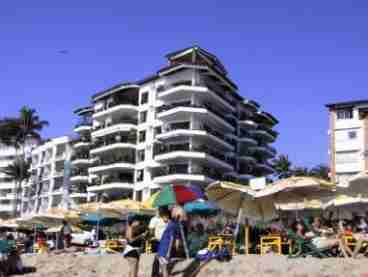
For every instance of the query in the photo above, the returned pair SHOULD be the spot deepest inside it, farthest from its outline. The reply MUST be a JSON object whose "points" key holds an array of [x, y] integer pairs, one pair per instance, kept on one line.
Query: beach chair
{"points": [[303, 247], [270, 243]]}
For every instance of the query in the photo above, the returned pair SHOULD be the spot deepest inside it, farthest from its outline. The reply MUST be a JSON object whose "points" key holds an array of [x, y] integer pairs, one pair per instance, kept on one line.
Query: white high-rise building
{"points": [[186, 124], [46, 187], [348, 135]]}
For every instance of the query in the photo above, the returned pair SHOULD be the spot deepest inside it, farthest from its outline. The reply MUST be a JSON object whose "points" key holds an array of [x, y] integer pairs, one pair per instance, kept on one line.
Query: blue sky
{"points": [[291, 56]]}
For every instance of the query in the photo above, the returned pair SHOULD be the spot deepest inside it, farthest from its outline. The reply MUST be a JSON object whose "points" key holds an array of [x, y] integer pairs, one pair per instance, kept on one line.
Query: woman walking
{"points": [[135, 234]]}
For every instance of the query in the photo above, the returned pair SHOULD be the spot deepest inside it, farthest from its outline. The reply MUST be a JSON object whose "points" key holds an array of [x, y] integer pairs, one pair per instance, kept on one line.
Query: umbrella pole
{"points": [[184, 240], [246, 238]]}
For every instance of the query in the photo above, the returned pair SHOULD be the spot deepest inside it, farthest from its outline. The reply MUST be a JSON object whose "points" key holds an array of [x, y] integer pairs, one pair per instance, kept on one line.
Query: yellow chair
{"points": [[350, 242], [113, 246], [219, 242], [270, 242], [148, 247]]}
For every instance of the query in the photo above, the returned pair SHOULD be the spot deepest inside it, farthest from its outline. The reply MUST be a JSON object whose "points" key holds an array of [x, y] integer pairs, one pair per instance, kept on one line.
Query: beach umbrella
{"points": [[201, 207], [149, 202], [99, 220], [127, 206], [55, 217], [297, 189], [358, 184], [175, 194], [57, 229], [103, 209], [305, 204], [241, 199]]}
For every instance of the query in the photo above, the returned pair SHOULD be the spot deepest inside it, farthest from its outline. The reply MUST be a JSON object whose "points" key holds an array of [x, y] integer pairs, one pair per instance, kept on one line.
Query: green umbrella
{"points": [[165, 198]]}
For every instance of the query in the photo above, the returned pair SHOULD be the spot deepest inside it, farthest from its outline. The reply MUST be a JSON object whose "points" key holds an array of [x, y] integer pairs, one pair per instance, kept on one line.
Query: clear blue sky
{"points": [[290, 58]]}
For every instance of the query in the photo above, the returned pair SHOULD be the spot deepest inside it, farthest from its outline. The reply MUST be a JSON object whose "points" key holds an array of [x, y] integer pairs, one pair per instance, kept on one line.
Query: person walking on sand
{"points": [[66, 234], [135, 234]]}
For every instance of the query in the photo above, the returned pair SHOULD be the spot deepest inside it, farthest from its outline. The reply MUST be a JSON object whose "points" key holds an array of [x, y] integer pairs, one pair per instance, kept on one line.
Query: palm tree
{"points": [[282, 166], [17, 131], [321, 171], [18, 171]]}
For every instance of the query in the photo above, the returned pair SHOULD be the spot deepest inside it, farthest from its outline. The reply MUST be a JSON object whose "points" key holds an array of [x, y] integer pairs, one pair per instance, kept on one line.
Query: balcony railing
{"points": [[207, 106], [202, 149], [85, 156], [79, 173], [184, 169], [127, 159], [117, 103], [84, 122], [107, 142], [268, 130], [118, 122]]}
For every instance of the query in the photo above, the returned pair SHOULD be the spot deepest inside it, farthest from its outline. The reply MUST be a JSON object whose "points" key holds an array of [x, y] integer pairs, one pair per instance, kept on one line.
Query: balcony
{"points": [[84, 125], [113, 144], [79, 176], [115, 164], [246, 156], [186, 108], [76, 195], [81, 160], [262, 135], [263, 168], [183, 130], [6, 208], [246, 122], [113, 184], [122, 125], [185, 151], [265, 151], [82, 142], [186, 89], [180, 174], [116, 109]]}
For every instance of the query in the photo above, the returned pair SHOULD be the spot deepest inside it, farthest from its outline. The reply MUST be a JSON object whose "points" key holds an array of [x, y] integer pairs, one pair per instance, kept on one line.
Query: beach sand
{"points": [[65, 265]]}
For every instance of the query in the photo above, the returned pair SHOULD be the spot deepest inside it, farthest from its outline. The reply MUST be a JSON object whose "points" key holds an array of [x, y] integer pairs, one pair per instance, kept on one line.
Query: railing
{"points": [[184, 169], [107, 142], [111, 180], [202, 149], [82, 139], [101, 162], [84, 122], [202, 106], [118, 122], [273, 133], [117, 103], [79, 173], [80, 157]]}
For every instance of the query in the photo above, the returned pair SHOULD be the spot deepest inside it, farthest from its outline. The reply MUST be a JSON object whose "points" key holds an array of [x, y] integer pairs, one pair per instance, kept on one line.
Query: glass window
{"points": [[158, 130], [142, 136], [352, 134], [140, 175], [345, 114], [143, 117], [141, 155], [144, 98]]}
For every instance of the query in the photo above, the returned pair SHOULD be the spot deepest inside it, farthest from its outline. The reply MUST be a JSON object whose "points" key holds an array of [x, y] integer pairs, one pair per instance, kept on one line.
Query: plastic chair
{"points": [[270, 242]]}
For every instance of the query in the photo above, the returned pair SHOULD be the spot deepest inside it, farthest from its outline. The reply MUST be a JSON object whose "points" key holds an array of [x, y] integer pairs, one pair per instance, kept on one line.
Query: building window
{"points": [[138, 195], [142, 136], [143, 117], [345, 114], [141, 155], [352, 135], [347, 157], [158, 130], [144, 98], [140, 175]]}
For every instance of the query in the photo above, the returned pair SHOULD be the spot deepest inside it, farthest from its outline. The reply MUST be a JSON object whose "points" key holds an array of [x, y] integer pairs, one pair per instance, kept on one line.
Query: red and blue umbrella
{"points": [[177, 195]]}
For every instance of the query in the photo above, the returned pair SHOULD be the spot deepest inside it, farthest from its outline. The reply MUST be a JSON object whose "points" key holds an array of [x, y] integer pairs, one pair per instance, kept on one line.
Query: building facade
{"points": [[46, 186], [348, 137], [7, 185], [185, 124]]}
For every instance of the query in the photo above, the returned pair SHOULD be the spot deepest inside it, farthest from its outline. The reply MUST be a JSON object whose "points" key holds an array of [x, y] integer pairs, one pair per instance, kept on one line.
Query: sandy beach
{"points": [[65, 265]]}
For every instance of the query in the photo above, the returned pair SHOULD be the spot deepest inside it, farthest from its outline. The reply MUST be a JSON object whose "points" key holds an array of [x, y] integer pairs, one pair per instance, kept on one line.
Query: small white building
{"points": [[348, 136]]}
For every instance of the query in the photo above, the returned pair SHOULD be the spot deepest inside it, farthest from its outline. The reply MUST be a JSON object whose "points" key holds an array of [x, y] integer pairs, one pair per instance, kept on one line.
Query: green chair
{"points": [[6, 246], [302, 247]]}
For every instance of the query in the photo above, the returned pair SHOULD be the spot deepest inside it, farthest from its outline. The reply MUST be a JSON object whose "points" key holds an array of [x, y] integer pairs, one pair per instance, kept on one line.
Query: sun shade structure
{"points": [[296, 189], [102, 209], [235, 197], [201, 207], [131, 206]]}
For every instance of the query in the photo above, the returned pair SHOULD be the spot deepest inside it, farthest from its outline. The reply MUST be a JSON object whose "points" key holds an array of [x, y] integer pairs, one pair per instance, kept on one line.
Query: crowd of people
{"points": [[173, 235]]}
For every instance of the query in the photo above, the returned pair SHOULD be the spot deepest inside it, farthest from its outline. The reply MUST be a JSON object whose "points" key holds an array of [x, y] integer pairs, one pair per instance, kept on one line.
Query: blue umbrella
{"points": [[96, 219], [201, 207]]}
